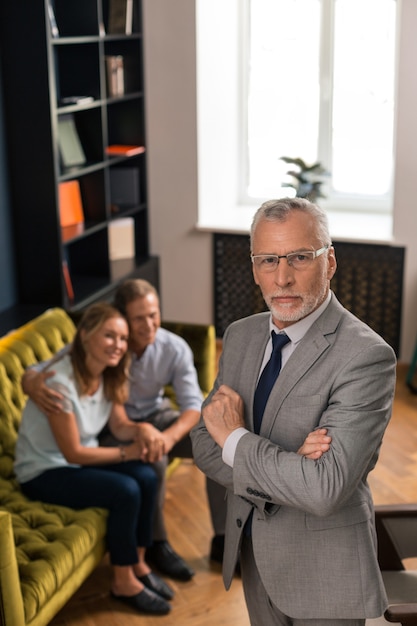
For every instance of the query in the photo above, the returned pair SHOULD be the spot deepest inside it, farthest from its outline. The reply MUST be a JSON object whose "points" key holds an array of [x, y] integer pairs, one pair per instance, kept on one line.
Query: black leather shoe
{"points": [[161, 556], [217, 548], [157, 585], [146, 601]]}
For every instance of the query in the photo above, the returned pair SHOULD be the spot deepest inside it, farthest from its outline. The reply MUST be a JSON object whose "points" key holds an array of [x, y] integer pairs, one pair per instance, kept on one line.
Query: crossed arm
{"points": [[224, 415], [221, 417]]}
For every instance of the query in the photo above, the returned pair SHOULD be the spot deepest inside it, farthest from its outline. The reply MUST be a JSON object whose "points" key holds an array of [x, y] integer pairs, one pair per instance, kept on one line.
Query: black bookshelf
{"points": [[44, 70]]}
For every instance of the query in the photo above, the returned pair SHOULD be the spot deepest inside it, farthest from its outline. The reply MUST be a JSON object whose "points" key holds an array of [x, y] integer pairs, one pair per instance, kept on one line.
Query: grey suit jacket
{"points": [[313, 526]]}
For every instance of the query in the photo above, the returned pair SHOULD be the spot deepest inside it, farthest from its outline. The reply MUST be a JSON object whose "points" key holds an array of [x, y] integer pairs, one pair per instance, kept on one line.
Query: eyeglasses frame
{"points": [[316, 253]]}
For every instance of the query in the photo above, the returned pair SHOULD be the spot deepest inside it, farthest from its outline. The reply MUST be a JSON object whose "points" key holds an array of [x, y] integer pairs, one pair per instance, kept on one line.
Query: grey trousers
{"points": [[216, 494], [262, 612]]}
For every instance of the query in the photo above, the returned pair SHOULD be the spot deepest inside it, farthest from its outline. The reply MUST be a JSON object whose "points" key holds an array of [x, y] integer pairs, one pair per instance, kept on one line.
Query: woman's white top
{"points": [[36, 448]]}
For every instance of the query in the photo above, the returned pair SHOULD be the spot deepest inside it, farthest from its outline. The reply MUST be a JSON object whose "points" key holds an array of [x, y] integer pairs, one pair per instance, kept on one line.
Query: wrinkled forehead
{"points": [[297, 232]]}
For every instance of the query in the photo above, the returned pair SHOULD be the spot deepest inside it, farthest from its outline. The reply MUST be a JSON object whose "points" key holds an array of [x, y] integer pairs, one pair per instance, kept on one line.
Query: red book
{"points": [[124, 150]]}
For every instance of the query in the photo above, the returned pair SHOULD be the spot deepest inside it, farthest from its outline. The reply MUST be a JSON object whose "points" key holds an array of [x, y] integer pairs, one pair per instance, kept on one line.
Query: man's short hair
{"points": [[131, 290]]}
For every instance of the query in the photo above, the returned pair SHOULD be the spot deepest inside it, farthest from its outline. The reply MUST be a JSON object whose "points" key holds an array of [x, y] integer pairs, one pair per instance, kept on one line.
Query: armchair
{"points": [[396, 527]]}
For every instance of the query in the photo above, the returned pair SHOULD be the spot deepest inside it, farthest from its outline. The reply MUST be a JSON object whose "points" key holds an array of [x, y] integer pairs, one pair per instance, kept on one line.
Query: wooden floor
{"points": [[203, 601]]}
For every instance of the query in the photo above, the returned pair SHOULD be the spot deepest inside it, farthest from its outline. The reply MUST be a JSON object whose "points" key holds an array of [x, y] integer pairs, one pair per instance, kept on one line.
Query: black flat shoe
{"points": [[157, 585], [161, 556], [146, 601]]}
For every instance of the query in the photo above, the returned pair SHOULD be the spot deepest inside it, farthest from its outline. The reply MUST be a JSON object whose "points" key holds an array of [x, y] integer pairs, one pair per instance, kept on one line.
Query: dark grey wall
{"points": [[8, 295]]}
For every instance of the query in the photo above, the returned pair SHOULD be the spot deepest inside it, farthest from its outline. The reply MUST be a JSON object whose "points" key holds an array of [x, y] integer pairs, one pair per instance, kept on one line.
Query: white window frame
{"points": [[222, 156]]}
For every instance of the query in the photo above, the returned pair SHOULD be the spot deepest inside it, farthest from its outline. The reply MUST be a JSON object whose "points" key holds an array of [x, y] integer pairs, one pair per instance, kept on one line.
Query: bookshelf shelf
{"points": [[60, 75]]}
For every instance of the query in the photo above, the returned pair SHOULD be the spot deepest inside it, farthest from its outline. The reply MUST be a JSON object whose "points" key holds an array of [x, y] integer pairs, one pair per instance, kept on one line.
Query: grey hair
{"points": [[280, 210]]}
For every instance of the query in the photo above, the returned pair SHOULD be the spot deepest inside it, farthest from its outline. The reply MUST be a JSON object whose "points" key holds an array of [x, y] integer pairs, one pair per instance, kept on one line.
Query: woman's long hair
{"points": [[115, 379]]}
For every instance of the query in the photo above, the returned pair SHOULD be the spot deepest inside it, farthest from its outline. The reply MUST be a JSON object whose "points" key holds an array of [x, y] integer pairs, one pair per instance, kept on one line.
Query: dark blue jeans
{"points": [[128, 490]]}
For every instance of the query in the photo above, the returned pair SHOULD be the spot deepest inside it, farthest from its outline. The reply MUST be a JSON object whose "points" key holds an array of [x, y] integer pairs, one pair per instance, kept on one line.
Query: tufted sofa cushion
{"points": [[53, 548]]}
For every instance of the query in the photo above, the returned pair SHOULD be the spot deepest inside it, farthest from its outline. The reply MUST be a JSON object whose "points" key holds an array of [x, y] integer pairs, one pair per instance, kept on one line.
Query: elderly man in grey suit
{"points": [[300, 512]]}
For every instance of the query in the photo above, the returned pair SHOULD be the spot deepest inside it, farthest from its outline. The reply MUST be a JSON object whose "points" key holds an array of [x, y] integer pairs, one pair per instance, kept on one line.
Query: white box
{"points": [[122, 238]]}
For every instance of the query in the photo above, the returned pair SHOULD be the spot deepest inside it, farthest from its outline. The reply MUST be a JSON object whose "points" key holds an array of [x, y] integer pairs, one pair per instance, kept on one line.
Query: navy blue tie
{"points": [[267, 379]]}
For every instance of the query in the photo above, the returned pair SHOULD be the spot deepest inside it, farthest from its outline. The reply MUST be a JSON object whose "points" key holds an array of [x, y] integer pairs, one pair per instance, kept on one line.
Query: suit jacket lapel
{"points": [[311, 347]]}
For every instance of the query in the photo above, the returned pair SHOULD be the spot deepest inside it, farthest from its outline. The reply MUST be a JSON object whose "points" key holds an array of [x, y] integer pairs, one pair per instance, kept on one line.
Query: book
{"points": [[129, 17], [124, 187], [120, 20], [52, 21], [70, 203], [124, 150], [67, 281], [115, 75], [70, 147]]}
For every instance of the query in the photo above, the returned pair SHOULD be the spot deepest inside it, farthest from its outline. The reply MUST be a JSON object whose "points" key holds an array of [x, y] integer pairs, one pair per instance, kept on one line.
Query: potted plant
{"points": [[307, 179]]}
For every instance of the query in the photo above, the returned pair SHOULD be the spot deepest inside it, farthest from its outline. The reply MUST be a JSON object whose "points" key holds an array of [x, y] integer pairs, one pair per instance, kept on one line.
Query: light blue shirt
{"points": [[36, 448], [167, 361]]}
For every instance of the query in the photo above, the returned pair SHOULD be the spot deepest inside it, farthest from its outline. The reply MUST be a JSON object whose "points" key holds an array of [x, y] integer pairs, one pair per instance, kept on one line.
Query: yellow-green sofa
{"points": [[47, 551]]}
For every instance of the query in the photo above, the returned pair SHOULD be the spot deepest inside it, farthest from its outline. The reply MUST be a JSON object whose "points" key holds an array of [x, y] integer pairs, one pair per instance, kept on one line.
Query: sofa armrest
{"points": [[11, 603]]}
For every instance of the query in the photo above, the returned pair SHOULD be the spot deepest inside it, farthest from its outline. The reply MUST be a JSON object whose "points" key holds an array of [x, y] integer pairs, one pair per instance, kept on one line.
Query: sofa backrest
{"points": [[36, 341], [202, 340]]}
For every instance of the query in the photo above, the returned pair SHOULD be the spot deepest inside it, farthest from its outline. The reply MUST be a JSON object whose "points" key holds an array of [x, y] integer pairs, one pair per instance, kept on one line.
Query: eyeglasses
{"points": [[298, 260]]}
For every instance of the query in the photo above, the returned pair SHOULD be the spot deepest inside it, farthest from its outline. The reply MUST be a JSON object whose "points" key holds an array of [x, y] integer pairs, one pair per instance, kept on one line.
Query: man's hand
{"points": [[34, 385], [224, 414], [152, 441], [316, 444]]}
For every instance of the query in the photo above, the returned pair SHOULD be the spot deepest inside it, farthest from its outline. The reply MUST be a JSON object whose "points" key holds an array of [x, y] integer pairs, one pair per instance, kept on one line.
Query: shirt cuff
{"points": [[230, 445]]}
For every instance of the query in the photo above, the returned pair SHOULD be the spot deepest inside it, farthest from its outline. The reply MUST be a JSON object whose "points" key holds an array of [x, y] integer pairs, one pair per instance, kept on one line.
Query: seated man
{"points": [[159, 358]]}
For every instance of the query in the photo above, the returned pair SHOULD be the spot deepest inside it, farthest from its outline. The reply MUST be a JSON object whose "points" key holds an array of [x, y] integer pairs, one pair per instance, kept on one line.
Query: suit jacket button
{"points": [[239, 523], [249, 490]]}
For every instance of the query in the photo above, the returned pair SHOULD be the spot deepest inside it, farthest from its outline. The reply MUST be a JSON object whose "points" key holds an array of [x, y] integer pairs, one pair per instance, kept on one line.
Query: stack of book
{"points": [[115, 75]]}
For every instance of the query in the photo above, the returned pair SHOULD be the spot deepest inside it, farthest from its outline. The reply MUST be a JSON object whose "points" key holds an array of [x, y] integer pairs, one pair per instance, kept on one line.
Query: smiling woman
{"points": [[59, 461]]}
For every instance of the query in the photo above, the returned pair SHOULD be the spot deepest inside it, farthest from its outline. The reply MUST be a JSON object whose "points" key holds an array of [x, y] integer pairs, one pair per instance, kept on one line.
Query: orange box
{"points": [[70, 203]]}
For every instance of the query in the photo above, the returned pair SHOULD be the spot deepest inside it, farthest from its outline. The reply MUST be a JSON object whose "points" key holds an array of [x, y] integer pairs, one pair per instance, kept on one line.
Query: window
{"points": [[319, 76]]}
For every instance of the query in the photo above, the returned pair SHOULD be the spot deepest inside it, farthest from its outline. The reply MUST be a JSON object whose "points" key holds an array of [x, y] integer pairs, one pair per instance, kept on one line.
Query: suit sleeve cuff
{"points": [[230, 445]]}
